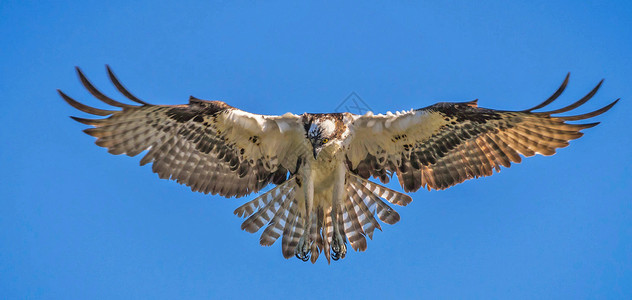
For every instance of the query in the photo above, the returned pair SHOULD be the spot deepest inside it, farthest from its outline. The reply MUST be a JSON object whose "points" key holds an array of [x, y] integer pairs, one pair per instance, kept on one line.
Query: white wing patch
{"points": [[374, 133]]}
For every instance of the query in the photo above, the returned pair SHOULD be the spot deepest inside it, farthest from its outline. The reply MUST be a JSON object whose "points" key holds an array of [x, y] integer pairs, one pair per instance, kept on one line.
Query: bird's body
{"points": [[321, 163]]}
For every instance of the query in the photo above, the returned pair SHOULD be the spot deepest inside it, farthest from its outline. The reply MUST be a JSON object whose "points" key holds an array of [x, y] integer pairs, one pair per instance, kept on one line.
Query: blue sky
{"points": [[78, 223]]}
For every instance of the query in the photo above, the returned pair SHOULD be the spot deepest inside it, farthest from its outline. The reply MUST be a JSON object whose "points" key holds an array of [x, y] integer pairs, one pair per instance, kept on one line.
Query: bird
{"points": [[324, 168]]}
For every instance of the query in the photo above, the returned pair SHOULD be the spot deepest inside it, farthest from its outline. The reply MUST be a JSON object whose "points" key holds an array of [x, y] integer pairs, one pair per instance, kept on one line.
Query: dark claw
{"points": [[303, 256], [336, 251]]}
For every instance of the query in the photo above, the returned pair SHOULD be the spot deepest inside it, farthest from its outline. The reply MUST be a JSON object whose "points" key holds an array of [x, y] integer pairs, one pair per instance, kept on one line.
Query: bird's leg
{"points": [[338, 247], [302, 252], [304, 246]]}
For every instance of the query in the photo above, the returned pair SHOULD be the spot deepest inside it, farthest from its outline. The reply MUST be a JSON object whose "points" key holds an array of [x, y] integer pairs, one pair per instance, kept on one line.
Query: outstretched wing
{"points": [[207, 145], [447, 143]]}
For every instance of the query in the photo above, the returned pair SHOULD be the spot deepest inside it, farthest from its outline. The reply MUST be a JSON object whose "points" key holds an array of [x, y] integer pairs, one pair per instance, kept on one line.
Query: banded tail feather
{"points": [[278, 210], [327, 234], [293, 230], [277, 224]]}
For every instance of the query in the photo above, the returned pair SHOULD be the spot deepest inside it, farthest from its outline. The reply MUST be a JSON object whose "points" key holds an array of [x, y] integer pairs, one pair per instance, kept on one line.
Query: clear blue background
{"points": [[78, 223]]}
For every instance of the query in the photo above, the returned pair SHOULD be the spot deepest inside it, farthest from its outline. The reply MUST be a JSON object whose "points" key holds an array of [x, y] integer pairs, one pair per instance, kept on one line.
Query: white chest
{"points": [[323, 168]]}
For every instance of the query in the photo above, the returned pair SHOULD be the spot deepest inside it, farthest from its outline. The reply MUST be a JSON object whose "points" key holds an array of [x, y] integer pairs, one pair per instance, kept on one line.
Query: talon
{"points": [[338, 248], [335, 250], [302, 251], [302, 256]]}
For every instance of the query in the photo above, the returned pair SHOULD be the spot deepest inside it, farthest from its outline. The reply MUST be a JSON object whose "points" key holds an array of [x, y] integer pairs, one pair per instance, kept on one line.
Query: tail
{"points": [[364, 200], [280, 211], [356, 217]]}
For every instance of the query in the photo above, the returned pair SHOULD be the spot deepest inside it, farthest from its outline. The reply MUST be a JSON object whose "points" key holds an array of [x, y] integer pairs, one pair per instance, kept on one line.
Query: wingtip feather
{"points": [[577, 103], [590, 114], [85, 121], [122, 88], [98, 94], [553, 97], [84, 108]]}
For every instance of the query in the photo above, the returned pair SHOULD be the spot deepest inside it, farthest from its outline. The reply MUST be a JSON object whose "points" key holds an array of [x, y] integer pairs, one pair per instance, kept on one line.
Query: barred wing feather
{"points": [[206, 145], [447, 143]]}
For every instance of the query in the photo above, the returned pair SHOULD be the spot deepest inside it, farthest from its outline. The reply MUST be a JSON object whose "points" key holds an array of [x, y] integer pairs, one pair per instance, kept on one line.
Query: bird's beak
{"points": [[316, 151], [316, 147]]}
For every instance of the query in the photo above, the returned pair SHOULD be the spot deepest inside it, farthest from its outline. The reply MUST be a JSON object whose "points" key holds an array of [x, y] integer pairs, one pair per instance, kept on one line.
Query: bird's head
{"points": [[321, 130]]}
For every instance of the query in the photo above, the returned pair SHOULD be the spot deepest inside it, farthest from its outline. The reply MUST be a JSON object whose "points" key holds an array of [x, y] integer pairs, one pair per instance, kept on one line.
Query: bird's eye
{"points": [[325, 140]]}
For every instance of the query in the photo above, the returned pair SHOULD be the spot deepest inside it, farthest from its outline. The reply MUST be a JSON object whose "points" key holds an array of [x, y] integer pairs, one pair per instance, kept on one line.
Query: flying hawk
{"points": [[320, 164]]}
